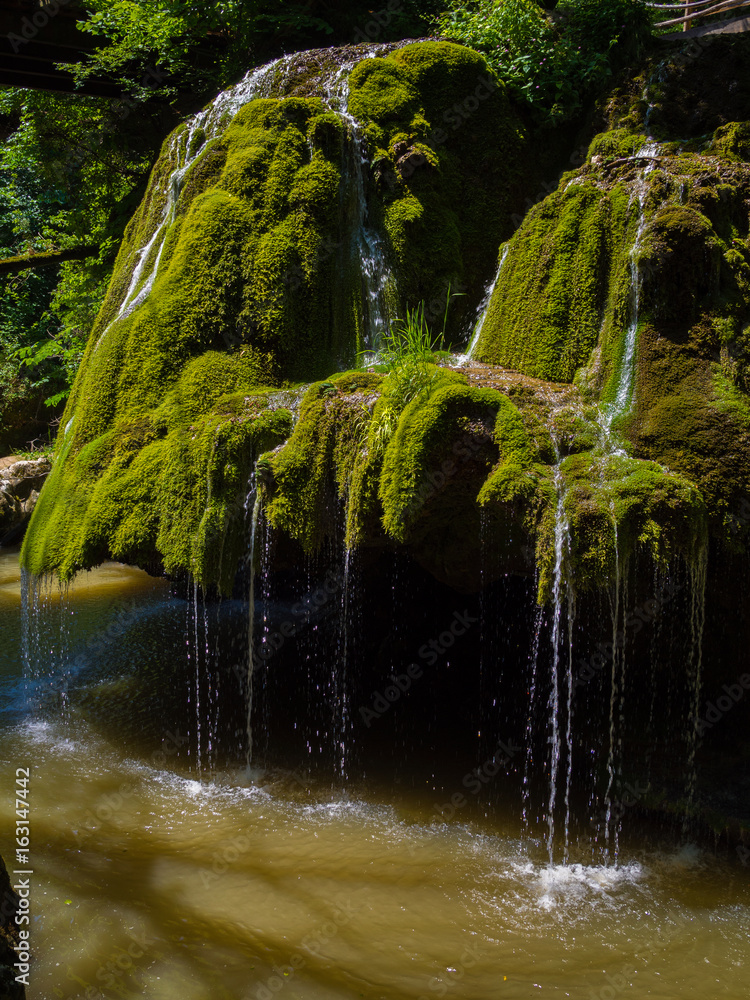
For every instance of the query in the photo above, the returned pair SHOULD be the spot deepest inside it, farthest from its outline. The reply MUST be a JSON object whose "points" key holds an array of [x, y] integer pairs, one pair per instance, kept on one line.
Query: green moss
{"points": [[326, 132], [617, 505], [520, 484], [420, 447], [311, 474], [446, 207], [253, 286], [616, 144], [203, 174], [173, 501], [732, 141], [259, 284], [546, 312], [681, 254], [383, 92]]}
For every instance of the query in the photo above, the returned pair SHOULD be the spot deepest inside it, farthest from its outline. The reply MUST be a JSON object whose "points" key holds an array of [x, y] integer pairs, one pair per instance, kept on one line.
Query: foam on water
{"points": [[558, 886]]}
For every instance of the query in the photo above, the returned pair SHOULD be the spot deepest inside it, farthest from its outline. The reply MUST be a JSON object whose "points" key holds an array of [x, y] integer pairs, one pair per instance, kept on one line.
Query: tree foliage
{"points": [[554, 65], [72, 169], [207, 45]]}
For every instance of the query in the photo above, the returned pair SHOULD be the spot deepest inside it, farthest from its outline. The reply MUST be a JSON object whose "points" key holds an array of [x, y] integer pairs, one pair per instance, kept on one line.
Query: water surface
{"points": [[150, 883]]}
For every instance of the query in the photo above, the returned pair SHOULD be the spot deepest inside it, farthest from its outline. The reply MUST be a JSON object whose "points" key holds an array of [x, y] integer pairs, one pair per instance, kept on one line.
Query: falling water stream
{"points": [[367, 243], [184, 151], [561, 706], [186, 147], [563, 616], [623, 391], [485, 304], [252, 557]]}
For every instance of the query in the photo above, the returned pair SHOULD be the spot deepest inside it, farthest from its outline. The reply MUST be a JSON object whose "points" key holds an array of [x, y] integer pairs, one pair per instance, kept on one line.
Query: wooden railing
{"points": [[697, 9]]}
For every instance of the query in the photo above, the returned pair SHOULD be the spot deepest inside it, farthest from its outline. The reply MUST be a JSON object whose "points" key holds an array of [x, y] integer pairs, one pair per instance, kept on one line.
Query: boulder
{"points": [[20, 483]]}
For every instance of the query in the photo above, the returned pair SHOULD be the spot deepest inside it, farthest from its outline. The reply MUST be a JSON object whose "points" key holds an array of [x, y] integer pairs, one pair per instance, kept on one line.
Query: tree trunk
{"points": [[12, 265]]}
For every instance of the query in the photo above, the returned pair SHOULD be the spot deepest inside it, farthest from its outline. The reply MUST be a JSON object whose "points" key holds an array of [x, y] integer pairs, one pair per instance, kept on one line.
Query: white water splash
{"points": [[563, 885]]}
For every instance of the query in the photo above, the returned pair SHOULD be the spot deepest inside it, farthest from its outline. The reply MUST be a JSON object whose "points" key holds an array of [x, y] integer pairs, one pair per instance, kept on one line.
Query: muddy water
{"points": [[149, 883]]}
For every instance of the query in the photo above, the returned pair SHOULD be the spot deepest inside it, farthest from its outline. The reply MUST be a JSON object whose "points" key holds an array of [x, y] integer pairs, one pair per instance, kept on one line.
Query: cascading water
{"points": [[697, 625], [193, 654], [554, 698], [184, 150], [341, 721], [367, 246], [252, 555], [187, 146], [623, 393], [529, 733], [562, 618], [615, 682], [484, 305]]}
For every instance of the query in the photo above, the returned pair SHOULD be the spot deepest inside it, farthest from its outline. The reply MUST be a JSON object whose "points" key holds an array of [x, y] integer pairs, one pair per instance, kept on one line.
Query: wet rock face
{"points": [[20, 483]]}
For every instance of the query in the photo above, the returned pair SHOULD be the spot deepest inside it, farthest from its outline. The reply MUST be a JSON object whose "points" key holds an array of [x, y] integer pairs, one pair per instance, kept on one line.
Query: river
{"points": [[156, 875]]}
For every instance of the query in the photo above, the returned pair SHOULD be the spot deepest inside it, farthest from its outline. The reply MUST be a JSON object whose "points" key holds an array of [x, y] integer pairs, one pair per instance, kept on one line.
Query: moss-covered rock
{"points": [[448, 149], [545, 315], [633, 280], [616, 506], [241, 269], [311, 473], [629, 284], [168, 499]]}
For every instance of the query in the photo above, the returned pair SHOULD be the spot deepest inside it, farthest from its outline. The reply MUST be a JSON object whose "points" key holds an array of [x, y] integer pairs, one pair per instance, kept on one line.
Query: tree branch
{"points": [[12, 265]]}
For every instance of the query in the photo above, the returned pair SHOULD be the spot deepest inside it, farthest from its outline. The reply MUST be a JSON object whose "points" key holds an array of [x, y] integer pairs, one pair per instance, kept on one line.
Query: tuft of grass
{"points": [[408, 355]]}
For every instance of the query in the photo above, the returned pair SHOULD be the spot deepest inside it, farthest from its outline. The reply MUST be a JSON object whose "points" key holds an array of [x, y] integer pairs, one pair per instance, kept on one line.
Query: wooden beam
{"points": [[721, 8]]}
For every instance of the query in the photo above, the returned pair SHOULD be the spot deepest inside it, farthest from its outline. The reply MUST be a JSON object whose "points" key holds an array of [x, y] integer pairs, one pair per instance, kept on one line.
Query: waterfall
{"points": [[367, 244], [561, 587], [623, 400], [529, 756], [484, 306], [251, 615], [697, 624], [184, 150], [46, 644], [569, 718], [263, 545], [613, 692], [187, 145], [192, 633], [341, 724]]}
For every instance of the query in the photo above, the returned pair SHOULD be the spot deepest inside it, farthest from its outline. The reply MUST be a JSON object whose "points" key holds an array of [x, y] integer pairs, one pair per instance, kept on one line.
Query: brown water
{"points": [[148, 883]]}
